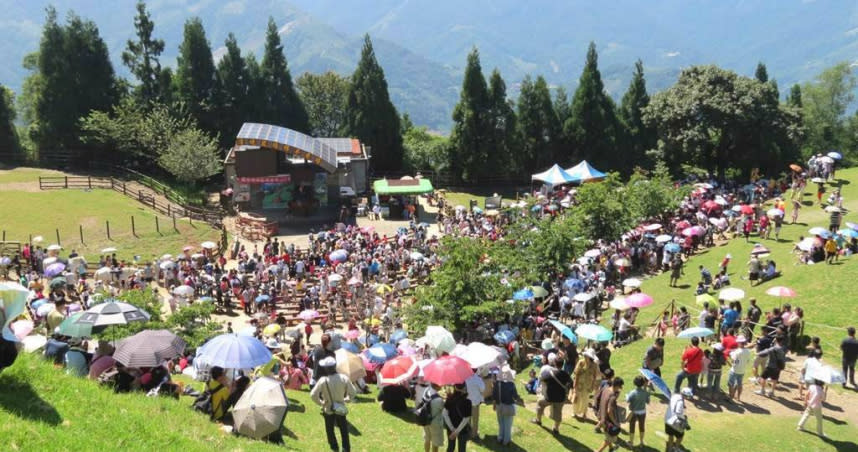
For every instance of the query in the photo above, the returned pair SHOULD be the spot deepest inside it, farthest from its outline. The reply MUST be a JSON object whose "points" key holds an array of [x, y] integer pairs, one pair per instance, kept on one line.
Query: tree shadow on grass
{"points": [[20, 399]]}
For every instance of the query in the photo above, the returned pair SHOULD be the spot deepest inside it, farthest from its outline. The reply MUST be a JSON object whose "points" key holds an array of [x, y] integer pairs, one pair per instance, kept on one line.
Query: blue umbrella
{"points": [[565, 331], [656, 381], [262, 298], [504, 337], [369, 341], [232, 351], [695, 332], [402, 230], [523, 294], [672, 247], [397, 336], [380, 353], [39, 302], [350, 346], [339, 255], [593, 332], [835, 155], [851, 233], [731, 213], [573, 283]]}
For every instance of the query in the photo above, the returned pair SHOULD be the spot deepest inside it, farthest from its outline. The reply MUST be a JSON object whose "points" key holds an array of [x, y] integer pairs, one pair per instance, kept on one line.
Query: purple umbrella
{"points": [[55, 269]]}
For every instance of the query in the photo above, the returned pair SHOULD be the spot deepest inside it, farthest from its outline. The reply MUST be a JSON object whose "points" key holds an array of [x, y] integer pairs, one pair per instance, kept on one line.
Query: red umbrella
{"points": [[683, 224], [447, 370], [711, 205], [746, 209], [398, 370]]}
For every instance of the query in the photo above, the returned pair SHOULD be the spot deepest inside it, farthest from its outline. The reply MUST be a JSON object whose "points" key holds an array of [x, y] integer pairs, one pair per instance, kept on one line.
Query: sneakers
{"points": [[759, 392]]}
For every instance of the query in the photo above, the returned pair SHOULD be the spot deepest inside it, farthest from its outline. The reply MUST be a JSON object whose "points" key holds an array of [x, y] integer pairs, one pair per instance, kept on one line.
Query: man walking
{"points": [[330, 393], [849, 347]]}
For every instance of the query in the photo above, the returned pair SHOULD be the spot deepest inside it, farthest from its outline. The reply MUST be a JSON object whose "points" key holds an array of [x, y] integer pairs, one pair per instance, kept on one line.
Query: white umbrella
{"points": [[183, 290], [652, 227], [166, 265], [261, 409], [166, 257], [48, 261], [440, 339], [335, 278], [108, 250], [619, 303], [731, 294], [416, 256], [103, 271], [583, 296], [632, 282], [593, 253], [54, 247], [197, 256], [663, 238], [478, 355], [825, 374], [208, 245]]}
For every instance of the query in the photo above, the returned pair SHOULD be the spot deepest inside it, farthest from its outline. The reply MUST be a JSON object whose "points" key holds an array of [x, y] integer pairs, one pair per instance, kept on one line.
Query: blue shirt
{"points": [[730, 316]]}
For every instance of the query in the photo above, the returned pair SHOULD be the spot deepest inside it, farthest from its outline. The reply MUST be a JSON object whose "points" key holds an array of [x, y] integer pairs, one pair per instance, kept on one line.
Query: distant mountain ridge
{"points": [[422, 44]]}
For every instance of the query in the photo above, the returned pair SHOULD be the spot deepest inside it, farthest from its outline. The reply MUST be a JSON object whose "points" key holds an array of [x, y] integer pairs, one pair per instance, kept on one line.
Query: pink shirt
{"points": [[296, 379], [814, 396]]}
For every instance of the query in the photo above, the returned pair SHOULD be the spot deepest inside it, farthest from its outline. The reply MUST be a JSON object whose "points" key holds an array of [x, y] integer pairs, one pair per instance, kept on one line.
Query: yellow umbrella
{"points": [[705, 298], [375, 321], [349, 364], [539, 291], [383, 289], [271, 330]]}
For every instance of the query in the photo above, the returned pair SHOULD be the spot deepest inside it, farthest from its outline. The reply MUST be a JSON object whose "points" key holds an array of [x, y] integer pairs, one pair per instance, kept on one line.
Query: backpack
{"points": [[203, 402], [423, 411]]}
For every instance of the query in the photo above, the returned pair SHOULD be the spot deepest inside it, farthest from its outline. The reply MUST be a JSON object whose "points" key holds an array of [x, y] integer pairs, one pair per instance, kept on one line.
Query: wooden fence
{"points": [[213, 217]]}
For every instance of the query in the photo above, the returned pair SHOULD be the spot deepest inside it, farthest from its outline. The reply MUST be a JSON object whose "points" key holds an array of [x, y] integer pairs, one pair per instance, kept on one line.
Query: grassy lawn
{"points": [[478, 194], [25, 175], [28, 214]]}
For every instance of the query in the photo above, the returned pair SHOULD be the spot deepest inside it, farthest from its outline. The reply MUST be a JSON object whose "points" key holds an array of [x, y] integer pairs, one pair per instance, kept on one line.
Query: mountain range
{"points": [[422, 44]]}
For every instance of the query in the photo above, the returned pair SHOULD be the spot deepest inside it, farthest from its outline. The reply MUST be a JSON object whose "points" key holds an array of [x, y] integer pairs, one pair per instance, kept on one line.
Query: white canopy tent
{"points": [[583, 172], [554, 176]]}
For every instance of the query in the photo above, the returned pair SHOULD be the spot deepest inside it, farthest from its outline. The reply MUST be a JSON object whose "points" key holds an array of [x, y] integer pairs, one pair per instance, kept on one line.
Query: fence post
{"points": [[81, 234], [107, 223], [153, 203], [58, 237], [67, 186], [4, 235], [174, 223], [89, 179], [133, 229], [169, 214], [124, 191], [157, 227]]}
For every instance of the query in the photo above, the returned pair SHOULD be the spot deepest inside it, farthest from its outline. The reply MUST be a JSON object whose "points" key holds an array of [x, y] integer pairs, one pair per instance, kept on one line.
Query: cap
{"points": [[741, 339], [687, 392], [718, 347]]}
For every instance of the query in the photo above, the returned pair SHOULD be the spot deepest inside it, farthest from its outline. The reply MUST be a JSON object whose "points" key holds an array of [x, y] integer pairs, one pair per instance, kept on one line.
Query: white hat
{"points": [[328, 362], [687, 392], [741, 339], [506, 374], [552, 357], [718, 347], [591, 354], [272, 343]]}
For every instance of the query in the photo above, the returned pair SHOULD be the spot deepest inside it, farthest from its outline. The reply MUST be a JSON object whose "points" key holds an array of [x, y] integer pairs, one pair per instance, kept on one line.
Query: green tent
{"points": [[402, 186]]}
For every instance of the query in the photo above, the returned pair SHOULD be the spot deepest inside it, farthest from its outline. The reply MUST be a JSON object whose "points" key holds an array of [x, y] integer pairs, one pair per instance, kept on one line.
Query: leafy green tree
{"points": [[503, 131], [653, 195], [552, 244], [370, 115], [824, 103], [255, 88], [324, 96], [281, 105], [423, 150], [8, 134], [794, 97], [191, 155], [602, 211], [141, 57], [196, 79], [470, 141], [761, 74], [593, 128], [639, 136], [539, 127], [234, 98]]}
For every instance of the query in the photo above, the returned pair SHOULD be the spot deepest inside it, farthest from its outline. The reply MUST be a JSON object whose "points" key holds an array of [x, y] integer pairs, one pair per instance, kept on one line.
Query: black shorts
{"points": [[672, 431], [753, 276], [771, 373]]}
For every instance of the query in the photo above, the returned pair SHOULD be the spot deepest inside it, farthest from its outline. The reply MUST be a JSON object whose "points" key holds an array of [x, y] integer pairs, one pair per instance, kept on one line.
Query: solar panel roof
{"points": [[290, 141]]}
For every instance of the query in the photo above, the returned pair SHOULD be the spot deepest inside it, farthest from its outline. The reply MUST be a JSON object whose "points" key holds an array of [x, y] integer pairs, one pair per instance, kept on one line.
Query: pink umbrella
{"points": [[683, 224], [367, 364], [639, 300], [406, 350], [447, 370], [688, 232], [352, 334], [21, 328], [308, 314], [353, 281], [780, 291]]}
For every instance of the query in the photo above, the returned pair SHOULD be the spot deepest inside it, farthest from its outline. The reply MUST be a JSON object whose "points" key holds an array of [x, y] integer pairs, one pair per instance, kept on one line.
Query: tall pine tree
{"points": [[370, 115], [503, 131], [195, 75], [592, 128], [141, 58], [794, 97], [761, 73], [639, 137], [539, 127], [255, 89], [234, 96], [9, 143], [470, 142], [281, 106]]}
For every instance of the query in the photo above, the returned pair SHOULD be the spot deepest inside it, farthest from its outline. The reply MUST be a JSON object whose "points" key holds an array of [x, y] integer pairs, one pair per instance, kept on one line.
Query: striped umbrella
{"points": [[110, 313], [149, 348]]}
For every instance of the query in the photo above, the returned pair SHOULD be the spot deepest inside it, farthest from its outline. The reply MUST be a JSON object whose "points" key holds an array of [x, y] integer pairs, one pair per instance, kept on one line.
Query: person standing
{"points": [[675, 420], [433, 434], [586, 372], [754, 268], [504, 396], [774, 365], [330, 393], [739, 358], [692, 366], [457, 414], [754, 313], [654, 357], [475, 388], [813, 405], [849, 348], [555, 383], [608, 415], [637, 399]]}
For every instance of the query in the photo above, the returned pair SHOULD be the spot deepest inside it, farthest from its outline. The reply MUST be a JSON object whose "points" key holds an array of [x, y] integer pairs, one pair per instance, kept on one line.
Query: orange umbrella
{"points": [[795, 167]]}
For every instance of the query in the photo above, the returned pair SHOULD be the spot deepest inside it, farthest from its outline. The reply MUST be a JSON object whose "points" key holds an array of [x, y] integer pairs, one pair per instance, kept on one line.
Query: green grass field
{"points": [[29, 214]]}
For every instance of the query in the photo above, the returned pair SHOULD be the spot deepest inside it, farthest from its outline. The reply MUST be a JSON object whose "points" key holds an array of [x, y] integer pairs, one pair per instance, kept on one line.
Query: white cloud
{"points": [[671, 54], [234, 8]]}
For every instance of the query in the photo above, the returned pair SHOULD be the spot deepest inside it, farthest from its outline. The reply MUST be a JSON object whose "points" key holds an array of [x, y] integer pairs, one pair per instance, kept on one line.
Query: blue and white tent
{"points": [[554, 176], [583, 172]]}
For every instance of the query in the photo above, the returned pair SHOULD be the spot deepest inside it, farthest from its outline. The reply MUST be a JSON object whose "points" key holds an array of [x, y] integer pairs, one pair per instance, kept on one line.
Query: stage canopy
{"points": [[554, 176], [289, 141], [583, 172], [402, 186]]}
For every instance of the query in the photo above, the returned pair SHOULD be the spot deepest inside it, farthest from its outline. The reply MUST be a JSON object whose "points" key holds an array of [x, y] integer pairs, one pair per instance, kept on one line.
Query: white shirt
{"points": [[676, 406], [475, 386], [741, 357]]}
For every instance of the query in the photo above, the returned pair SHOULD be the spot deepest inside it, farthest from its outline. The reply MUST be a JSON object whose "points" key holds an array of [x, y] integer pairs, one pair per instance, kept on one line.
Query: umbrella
{"points": [[504, 337], [440, 339], [45, 309], [622, 262], [831, 209], [711, 205], [58, 283], [825, 374], [110, 313], [183, 291], [539, 291], [262, 408], [631, 282], [775, 212], [759, 249], [835, 155], [208, 245], [149, 348], [663, 238], [594, 253], [818, 180], [54, 247], [416, 256], [70, 327], [593, 332], [547, 344], [349, 363], [232, 351], [639, 300], [13, 302], [564, 330], [479, 355], [817, 231], [656, 381], [583, 297], [339, 255], [380, 353], [523, 294], [806, 244], [695, 332], [335, 278], [21, 328], [826, 159], [619, 303], [271, 330], [352, 334], [397, 336], [672, 247], [406, 350], [731, 294], [447, 370], [574, 283], [350, 347], [780, 291], [354, 281], [398, 370], [683, 224], [795, 167], [55, 269], [108, 250], [746, 209], [652, 227], [705, 298], [166, 265], [383, 289], [187, 248], [262, 299], [308, 315], [851, 233]]}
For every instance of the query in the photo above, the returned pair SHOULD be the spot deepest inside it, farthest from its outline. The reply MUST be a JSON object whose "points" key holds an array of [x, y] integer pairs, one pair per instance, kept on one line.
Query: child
{"points": [[704, 375], [713, 377], [532, 384], [724, 263], [662, 324], [701, 289], [637, 399]]}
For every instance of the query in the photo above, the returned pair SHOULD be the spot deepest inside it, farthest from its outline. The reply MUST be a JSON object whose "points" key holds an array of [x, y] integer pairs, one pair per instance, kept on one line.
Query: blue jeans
{"points": [[505, 428], [713, 382], [692, 381]]}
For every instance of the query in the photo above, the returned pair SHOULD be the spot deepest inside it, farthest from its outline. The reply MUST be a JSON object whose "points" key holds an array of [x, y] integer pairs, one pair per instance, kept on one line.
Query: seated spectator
{"points": [[102, 361], [219, 387], [56, 348], [76, 359], [393, 397]]}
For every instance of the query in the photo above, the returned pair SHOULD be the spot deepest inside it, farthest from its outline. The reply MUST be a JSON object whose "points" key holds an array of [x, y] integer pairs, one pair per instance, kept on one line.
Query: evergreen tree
{"points": [[640, 137], [141, 57], [281, 106], [794, 97], [234, 84], [502, 128], [255, 89], [370, 115], [9, 143], [593, 127], [195, 75], [470, 141], [563, 110], [761, 74], [538, 125]]}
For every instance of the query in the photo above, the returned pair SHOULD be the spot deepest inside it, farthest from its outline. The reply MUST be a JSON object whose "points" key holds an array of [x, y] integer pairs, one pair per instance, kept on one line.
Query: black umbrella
{"points": [[110, 313], [149, 348]]}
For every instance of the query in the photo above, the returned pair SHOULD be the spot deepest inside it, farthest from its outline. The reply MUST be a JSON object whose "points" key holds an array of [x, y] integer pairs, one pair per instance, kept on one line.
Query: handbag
{"points": [[339, 408]]}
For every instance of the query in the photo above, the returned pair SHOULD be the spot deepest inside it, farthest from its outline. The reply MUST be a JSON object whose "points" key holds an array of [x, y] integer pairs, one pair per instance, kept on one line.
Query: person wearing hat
{"points": [[713, 376], [585, 374], [676, 420], [57, 315], [504, 396], [331, 392], [740, 358]]}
